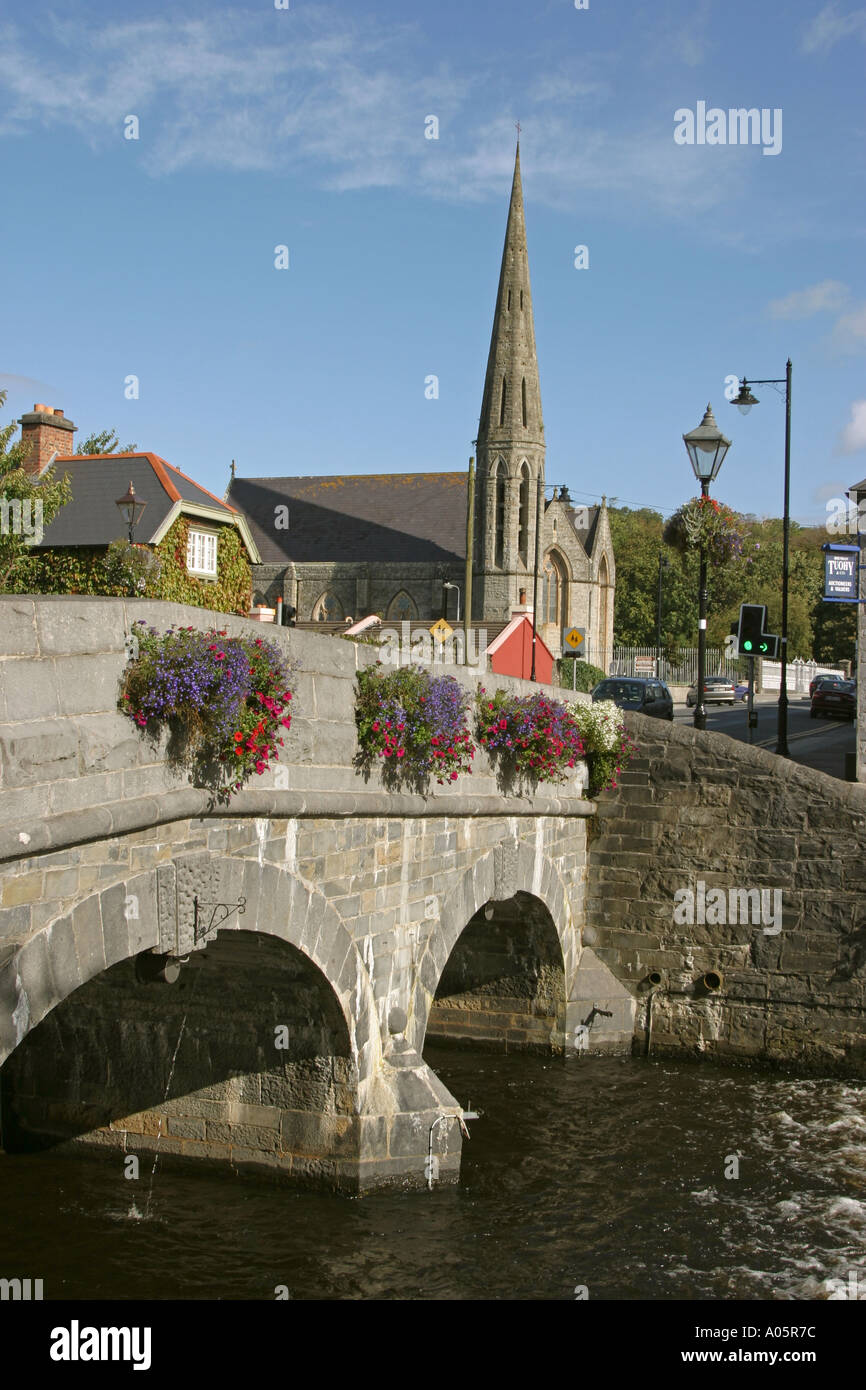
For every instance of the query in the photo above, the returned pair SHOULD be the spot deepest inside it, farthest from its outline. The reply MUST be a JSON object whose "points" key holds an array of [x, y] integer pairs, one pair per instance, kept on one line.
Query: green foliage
{"points": [[232, 591], [105, 442], [585, 676], [135, 567], [28, 506], [89, 570], [754, 576]]}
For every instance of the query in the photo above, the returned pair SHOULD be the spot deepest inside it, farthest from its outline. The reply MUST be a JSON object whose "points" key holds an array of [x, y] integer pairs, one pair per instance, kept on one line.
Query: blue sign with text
{"points": [[841, 577]]}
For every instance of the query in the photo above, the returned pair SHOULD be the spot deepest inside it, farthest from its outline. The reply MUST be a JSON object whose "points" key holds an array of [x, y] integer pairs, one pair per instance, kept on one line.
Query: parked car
{"points": [[718, 690], [741, 691], [823, 676], [835, 699], [648, 696]]}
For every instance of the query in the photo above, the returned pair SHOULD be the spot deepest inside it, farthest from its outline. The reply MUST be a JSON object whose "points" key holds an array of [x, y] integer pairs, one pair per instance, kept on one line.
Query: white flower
{"points": [[600, 725]]}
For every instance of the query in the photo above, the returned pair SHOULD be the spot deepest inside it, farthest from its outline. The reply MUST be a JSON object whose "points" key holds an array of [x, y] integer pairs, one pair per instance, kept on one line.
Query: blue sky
{"points": [[305, 127]]}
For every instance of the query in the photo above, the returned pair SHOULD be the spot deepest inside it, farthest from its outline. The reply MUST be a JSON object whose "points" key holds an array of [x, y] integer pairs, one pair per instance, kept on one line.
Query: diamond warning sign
{"points": [[574, 638], [441, 630]]}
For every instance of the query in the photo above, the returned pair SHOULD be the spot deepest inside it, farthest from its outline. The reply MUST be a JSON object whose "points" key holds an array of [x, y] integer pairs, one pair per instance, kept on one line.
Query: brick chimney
{"points": [[45, 432]]}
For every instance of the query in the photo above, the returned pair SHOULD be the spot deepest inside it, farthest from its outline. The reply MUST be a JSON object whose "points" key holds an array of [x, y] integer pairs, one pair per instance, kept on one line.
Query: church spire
{"points": [[510, 444], [511, 406]]}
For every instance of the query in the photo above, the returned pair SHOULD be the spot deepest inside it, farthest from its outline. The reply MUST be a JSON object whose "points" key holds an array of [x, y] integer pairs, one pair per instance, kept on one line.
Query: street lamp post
{"points": [[744, 401], [130, 508], [706, 447], [449, 585]]}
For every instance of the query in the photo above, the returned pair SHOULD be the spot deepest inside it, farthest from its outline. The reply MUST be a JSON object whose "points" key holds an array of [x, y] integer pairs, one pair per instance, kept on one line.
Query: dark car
{"points": [[835, 699], [718, 690], [823, 676], [631, 692]]}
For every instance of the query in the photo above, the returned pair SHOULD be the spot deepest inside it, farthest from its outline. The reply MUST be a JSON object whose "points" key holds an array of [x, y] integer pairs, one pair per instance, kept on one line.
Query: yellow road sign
{"points": [[441, 630], [575, 637]]}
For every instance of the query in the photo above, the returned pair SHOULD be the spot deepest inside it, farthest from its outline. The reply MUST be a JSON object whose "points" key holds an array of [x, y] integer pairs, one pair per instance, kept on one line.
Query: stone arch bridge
{"points": [[253, 985]]}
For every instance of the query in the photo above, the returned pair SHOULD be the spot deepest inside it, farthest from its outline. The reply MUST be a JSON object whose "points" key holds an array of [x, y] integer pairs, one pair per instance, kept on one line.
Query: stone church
{"points": [[347, 546]]}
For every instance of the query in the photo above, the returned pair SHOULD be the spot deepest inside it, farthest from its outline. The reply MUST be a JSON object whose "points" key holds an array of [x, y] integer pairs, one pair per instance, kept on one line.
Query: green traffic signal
{"points": [[747, 646]]}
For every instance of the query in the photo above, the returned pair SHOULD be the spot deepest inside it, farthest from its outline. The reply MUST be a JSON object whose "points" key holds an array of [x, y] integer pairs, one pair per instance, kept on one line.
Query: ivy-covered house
{"points": [[202, 546]]}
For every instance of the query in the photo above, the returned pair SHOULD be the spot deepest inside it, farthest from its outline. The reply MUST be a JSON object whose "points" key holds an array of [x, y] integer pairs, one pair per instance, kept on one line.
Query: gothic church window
{"points": [[502, 403], [523, 515], [402, 607], [499, 513], [523, 397], [554, 606], [328, 609]]}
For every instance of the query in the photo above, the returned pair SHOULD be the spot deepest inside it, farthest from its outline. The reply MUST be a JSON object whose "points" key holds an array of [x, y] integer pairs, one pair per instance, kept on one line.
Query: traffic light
{"points": [[751, 628], [752, 636]]}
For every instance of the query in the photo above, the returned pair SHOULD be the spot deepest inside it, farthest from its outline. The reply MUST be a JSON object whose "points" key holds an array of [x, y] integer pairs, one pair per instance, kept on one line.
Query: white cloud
{"points": [[854, 434], [829, 27], [849, 331], [825, 491], [345, 101], [830, 295]]}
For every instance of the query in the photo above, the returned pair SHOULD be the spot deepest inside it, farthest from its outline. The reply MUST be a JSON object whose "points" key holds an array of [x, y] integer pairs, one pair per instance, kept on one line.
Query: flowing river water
{"points": [[605, 1173]]}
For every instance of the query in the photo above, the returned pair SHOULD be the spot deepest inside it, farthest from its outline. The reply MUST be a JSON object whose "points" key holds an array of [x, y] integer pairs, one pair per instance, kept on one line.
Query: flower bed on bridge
{"points": [[224, 699]]}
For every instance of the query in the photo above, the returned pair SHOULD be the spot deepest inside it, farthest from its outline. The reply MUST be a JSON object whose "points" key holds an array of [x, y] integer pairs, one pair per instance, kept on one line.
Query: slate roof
{"points": [[92, 518], [586, 535], [417, 517]]}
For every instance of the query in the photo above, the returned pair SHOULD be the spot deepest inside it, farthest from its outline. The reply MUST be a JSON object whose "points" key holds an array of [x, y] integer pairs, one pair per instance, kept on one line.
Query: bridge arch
{"points": [[511, 872], [121, 921]]}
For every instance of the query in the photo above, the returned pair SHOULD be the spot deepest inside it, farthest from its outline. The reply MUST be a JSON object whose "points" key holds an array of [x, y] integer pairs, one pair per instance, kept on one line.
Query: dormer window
{"points": [[201, 553]]}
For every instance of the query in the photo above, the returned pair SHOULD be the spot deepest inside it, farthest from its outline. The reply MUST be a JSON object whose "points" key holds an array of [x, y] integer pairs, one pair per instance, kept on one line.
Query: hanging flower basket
{"points": [[225, 701], [532, 736], [413, 725], [609, 748], [705, 523]]}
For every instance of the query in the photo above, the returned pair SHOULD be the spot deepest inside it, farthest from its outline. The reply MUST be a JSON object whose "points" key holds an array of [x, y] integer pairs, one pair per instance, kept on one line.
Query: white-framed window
{"points": [[201, 552]]}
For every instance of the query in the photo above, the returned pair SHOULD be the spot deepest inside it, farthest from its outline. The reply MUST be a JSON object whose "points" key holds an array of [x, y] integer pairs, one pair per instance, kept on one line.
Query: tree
{"points": [[105, 442], [27, 503]]}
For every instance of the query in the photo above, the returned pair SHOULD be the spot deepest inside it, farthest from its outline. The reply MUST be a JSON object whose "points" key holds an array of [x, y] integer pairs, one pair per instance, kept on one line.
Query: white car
{"points": [[718, 690]]}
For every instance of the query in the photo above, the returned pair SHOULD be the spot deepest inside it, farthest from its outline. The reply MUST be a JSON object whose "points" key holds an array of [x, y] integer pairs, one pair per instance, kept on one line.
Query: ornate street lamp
{"points": [[744, 400], [706, 447], [130, 508]]}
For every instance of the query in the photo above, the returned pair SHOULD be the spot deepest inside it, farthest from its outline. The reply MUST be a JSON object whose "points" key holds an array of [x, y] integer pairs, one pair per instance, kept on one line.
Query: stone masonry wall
{"points": [[701, 807]]}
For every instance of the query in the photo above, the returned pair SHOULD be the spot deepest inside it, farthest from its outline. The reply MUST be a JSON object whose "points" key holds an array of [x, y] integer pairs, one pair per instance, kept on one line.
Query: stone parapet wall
{"points": [[69, 759], [696, 807]]}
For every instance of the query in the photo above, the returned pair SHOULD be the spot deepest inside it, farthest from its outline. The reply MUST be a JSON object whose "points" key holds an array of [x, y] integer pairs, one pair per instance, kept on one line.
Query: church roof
{"points": [[415, 517], [586, 534]]}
